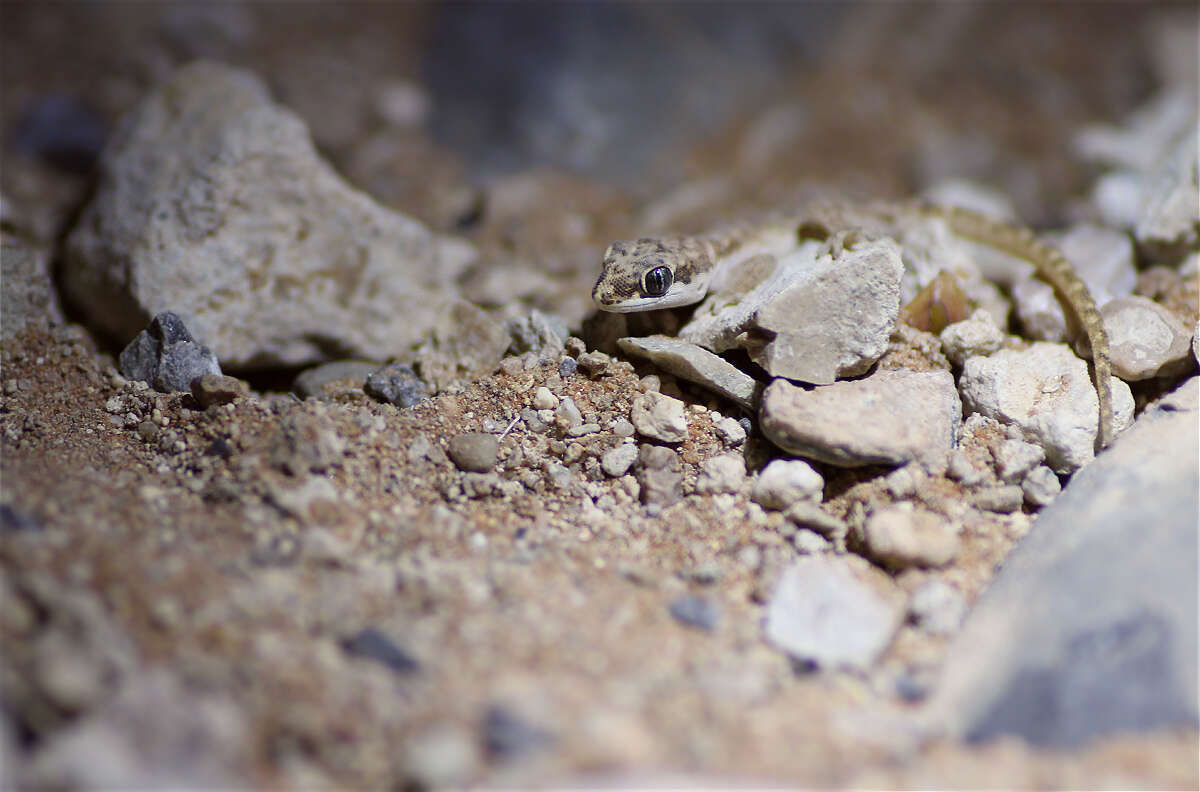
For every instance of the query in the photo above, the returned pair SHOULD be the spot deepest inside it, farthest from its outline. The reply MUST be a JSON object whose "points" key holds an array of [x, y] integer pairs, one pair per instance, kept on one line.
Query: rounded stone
{"points": [[474, 451]]}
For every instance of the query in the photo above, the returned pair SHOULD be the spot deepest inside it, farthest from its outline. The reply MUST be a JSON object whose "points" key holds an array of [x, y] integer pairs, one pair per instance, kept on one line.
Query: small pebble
{"points": [[899, 538], [395, 384], [371, 644], [593, 363], [507, 736], [543, 399], [1004, 499], [567, 414], [1015, 458], [786, 481], [1041, 486], [583, 429], [213, 389], [567, 367], [937, 607], [622, 428], [474, 451], [659, 417], [731, 431], [617, 461], [574, 346], [694, 611], [721, 473]]}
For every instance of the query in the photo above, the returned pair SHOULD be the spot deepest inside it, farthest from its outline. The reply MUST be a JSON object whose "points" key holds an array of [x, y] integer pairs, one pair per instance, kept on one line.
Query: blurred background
{"points": [[544, 130]]}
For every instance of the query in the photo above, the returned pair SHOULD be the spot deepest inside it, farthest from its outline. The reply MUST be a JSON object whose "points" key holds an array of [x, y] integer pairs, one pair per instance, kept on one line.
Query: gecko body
{"points": [[670, 271]]}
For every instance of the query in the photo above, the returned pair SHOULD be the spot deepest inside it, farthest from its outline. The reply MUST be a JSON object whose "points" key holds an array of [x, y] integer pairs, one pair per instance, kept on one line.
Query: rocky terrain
{"points": [[319, 469]]}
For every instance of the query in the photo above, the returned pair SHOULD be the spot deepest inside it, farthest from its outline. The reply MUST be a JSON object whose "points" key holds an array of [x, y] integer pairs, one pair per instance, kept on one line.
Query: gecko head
{"points": [[651, 273]]}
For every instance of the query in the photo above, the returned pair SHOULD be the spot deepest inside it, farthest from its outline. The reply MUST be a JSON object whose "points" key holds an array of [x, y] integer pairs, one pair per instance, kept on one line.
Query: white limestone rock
{"points": [[1145, 339], [660, 417], [784, 482], [1044, 391], [213, 202], [976, 335], [721, 473], [900, 537], [891, 418]]}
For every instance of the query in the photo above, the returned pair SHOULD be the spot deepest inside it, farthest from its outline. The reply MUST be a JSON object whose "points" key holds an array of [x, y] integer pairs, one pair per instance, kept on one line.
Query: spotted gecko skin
{"points": [[693, 264]]}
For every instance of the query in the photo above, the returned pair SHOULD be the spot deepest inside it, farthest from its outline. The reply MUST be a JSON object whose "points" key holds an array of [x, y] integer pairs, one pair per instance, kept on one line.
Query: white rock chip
{"points": [[891, 417], [721, 473], [1045, 391], [1040, 486], [976, 335], [543, 399], [1145, 339], [213, 202], [730, 430], [823, 612], [937, 607], [659, 417], [1015, 458], [899, 537], [617, 461], [784, 482], [695, 364]]}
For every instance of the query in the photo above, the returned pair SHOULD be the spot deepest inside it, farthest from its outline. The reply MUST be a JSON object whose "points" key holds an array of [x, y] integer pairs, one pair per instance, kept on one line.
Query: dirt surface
{"points": [[246, 548]]}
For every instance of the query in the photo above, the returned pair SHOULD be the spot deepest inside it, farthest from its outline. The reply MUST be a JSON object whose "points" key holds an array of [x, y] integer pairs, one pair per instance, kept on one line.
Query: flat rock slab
{"points": [[1090, 628], [697, 365], [890, 418], [213, 202]]}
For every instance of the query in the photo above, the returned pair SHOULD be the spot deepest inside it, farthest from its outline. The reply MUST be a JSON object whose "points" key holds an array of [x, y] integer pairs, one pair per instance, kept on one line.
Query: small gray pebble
{"points": [[617, 461], [1041, 486], [395, 384], [474, 451], [694, 611], [567, 367], [371, 644], [506, 736], [1003, 499]]}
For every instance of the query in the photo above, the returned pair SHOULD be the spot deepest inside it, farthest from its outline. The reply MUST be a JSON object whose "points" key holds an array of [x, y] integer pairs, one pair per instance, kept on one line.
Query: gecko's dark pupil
{"points": [[657, 281]]}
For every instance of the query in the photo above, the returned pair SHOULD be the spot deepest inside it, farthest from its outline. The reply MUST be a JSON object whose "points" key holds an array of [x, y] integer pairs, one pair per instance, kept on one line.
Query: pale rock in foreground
{"points": [[826, 611], [697, 365], [213, 202], [891, 418], [1090, 627], [722, 473], [1045, 391], [1145, 339]]}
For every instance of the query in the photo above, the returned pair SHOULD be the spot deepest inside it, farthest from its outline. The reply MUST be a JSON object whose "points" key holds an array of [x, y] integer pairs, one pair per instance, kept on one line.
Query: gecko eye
{"points": [[656, 282]]}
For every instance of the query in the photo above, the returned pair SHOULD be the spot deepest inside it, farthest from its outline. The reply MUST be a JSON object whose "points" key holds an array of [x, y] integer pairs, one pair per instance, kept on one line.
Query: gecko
{"points": [[669, 271]]}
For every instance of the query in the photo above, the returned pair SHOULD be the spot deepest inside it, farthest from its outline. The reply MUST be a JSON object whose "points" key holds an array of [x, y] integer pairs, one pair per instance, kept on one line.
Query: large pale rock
{"points": [[1046, 392], [1090, 627], [815, 317], [213, 202], [890, 418], [835, 320]]}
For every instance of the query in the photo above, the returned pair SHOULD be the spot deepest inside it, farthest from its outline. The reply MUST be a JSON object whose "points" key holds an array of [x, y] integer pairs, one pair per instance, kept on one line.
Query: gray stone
{"points": [[899, 537], [809, 514], [659, 417], [1145, 339], [322, 380], [373, 644], [731, 431], [1046, 392], [28, 295], [396, 384], [537, 332], [660, 475], [697, 365], [826, 612], [892, 417], [214, 202], [508, 736], [695, 611], [567, 414], [474, 451], [1090, 627], [937, 607], [166, 356], [1041, 486], [784, 482], [721, 473]]}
